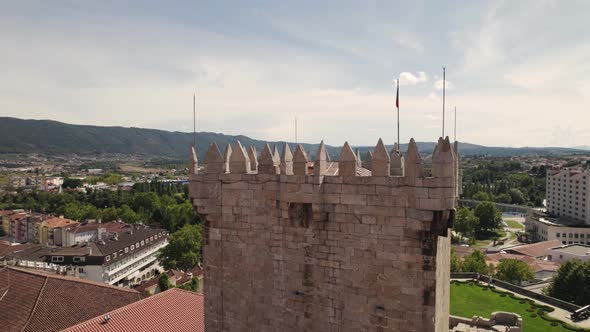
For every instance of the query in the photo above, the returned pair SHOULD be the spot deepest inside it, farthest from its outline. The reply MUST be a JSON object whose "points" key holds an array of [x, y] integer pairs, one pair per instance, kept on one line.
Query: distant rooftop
{"points": [[574, 249]]}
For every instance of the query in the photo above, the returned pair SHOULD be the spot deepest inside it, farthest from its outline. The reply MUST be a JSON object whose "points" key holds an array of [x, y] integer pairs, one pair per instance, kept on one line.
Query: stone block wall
{"points": [[304, 252]]}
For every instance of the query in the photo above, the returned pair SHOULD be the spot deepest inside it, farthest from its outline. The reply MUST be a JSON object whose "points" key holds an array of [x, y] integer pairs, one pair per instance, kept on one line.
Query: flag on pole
{"points": [[397, 96]]}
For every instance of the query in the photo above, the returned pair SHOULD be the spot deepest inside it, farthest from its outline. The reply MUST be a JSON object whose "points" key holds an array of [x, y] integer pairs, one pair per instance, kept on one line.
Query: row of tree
{"points": [[510, 270], [503, 181], [164, 203]]}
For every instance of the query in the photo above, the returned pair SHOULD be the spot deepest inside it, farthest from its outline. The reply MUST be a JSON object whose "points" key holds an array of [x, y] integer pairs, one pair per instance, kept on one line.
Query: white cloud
{"points": [[438, 85], [407, 78]]}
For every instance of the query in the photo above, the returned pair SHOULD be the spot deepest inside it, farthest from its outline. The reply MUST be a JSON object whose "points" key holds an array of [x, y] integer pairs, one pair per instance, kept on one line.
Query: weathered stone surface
{"points": [[268, 163], [213, 162], [253, 155], [380, 161], [324, 253], [347, 161], [300, 161], [226, 157], [239, 162], [321, 161], [194, 165], [287, 160], [413, 162]]}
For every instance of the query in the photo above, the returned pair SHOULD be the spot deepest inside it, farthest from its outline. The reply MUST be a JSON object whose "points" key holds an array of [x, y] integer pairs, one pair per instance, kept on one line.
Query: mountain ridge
{"points": [[25, 136]]}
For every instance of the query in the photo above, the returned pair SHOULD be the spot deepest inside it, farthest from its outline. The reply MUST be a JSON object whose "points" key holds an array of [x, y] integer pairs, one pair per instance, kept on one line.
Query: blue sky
{"points": [[518, 71]]}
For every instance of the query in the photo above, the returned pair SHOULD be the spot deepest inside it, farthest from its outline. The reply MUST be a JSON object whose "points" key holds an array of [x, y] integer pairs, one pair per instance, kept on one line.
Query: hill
{"points": [[19, 136]]}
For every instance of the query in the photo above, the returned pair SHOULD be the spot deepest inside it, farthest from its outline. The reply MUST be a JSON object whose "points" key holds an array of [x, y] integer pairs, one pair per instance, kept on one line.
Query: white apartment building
{"points": [[568, 191], [124, 259]]}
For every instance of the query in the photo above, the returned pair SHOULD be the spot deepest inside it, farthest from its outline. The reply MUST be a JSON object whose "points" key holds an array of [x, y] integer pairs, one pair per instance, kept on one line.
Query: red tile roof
{"points": [[536, 265], [33, 301], [60, 222], [536, 249], [172, 310]]}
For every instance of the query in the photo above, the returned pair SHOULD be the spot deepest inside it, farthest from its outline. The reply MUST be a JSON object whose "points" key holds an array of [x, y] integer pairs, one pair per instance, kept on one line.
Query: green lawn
{"points": [[513, 224], [468, 300]]}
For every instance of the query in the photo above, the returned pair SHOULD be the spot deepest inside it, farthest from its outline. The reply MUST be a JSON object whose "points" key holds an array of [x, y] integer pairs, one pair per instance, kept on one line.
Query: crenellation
{"points": [[287, 160], [300, 161], [298, 251], [226, 157], [380, 161], [347, 161], [253, 155]]}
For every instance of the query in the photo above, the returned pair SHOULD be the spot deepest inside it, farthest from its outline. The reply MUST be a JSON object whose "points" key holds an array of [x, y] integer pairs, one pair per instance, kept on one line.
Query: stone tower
{"points": [[290, 249]]}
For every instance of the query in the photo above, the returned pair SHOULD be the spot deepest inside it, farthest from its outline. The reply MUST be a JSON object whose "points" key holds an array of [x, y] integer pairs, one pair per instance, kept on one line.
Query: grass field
{"points": [[468, 300], [513, 224]]}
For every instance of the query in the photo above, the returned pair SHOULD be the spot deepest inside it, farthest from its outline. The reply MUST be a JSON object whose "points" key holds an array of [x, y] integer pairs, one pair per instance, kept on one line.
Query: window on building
{"points": [[126, 249], [556, 234], [142, 242], [107, 258], [137, 245], [115, 254], [132, 247], [57, 259], [79, 259]]}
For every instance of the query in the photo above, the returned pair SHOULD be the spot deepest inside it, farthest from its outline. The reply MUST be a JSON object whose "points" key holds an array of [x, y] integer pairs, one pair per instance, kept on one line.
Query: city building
{"points": [[567, 193], [124, 258], [288, 247], [31, 301], [540, 226], [172, 310], [539, 250], [47, 228], [70, 235], [568, 252], [567, 217], [24, 225]]}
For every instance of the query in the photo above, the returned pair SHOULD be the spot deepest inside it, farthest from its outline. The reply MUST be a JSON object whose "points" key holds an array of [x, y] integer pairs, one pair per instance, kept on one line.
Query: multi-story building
{"points": [[70, 235], [47, 228], [124, 259], [567, 193], [24, 226], [568, 211]]}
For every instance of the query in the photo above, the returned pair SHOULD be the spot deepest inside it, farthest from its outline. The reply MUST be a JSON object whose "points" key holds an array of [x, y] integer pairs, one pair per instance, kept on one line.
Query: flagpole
{"points": [[397, 105], [443, 117], [455, 129], [296, 130], [195, 120]]}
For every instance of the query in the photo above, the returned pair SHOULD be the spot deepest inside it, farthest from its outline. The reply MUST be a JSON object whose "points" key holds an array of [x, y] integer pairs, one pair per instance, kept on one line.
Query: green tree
{"points": [[192, 285], [164, 282], [455, 262], [72, 183], [183, 251], [514, 271], [489, 217], [517, 196], [465, 222], [482, 196], [571, 282], [475, 262], [504, 198]]}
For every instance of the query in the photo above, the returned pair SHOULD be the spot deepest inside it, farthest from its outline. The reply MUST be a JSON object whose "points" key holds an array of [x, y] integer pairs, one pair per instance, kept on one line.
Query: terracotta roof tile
{"points": [[60, 222], [34, 301], [172, 310], [535, 249]]}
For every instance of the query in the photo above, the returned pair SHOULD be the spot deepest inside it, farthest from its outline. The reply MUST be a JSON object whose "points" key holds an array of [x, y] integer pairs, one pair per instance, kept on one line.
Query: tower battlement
{"points": [[295, 245]]}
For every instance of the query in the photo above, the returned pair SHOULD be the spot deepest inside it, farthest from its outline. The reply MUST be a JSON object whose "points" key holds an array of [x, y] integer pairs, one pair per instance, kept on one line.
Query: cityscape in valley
{"points": [[295, 168]]}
